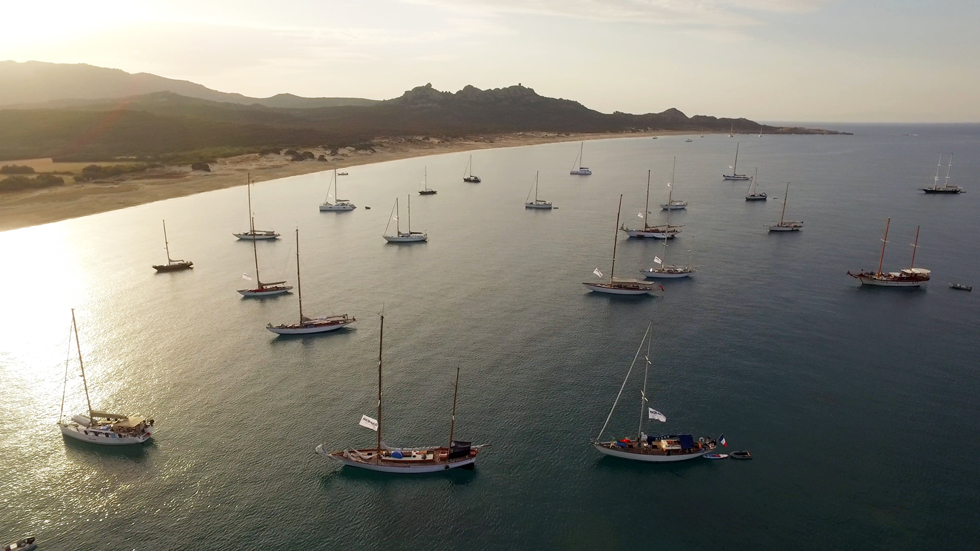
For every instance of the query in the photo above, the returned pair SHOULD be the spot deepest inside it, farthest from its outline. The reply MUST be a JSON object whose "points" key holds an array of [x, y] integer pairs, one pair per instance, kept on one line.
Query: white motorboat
{"points": [[945, 189], [735, 175], [909, 277], [172, 265], [309, 326], [263, 289], [403, 237], [468, 176], [672, 204], [580, 160], [339, 205], [664, 231], [668, 448], [752, 194], [617, 286], [100, 427], [414, 460], [537, 203], [785, 225], [667, 271], [425, 183], [253, 234]]}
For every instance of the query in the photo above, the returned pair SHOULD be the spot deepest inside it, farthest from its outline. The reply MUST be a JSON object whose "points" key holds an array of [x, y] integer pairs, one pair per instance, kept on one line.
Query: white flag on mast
{"points": [[246, 276], [640, 214], [654, 414], [657, 260], [597, 272], [369, 423]]}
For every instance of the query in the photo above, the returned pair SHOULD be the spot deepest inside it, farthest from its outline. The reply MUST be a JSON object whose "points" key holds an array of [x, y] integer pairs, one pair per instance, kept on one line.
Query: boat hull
{"points": [[472, 180], [265, 292], [643, 234], [581, 172], [102, 438], [311, 328], [674, 207], [874, 282], [256, 237], [736, 177], [647, 458], [173, 267], [659, 274], [337, 208], [395, 466], [406, 238], [941, 191], [778, 228], [756, 197], [620, 289], [427, 192], [539, 206]]}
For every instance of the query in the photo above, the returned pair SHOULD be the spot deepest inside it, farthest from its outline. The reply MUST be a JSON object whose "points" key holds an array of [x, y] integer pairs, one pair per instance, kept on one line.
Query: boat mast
{"points": [[612, 270], [251, 217], [452, 423], [398, 227], [536, 186], [299, 284], [646, 206], [581, 155], [735, 168], [410, 214], [753, 187], [914, 247], [381, 339], [883, 243], [939, 165], [255, 253], [80, 364], [165, 244], [336, 192], [949, 166], [785, 200], [643, 393]]}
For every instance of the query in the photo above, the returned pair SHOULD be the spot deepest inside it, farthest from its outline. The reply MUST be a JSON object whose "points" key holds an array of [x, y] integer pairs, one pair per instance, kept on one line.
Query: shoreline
{"points": [[23, 209]]}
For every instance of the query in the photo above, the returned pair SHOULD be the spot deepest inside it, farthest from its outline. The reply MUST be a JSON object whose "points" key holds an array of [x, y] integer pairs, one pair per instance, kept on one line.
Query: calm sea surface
{"points": [[859, 405]]}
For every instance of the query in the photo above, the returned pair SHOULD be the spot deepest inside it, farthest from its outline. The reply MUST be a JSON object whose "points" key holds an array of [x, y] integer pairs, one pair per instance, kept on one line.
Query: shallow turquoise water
{"points": [[858, 404]]}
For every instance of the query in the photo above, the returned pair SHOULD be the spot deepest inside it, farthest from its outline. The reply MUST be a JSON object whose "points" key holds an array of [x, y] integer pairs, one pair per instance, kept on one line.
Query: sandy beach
{"points": [[75, 199]]}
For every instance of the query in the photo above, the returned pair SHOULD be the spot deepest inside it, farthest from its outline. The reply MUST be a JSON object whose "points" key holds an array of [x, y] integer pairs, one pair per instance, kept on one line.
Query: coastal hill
{"points": [[170, 127]]}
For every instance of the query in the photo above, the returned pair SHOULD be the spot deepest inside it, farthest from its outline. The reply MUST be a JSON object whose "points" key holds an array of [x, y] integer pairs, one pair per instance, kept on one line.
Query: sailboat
{"points": [[425, 186], [537, 203], [618, 286], [652, 449], [263, 289], [667, 271], [580, 160], [99, 427], [339, 205], [664, 231], [672, 204], [909, 277], [752, 194], [468, 175], [307, 326], [784, 224], [735, 175], [946, 188], [253, 234], [731, 133], [400, 236], [429, 459], [171, 265]]}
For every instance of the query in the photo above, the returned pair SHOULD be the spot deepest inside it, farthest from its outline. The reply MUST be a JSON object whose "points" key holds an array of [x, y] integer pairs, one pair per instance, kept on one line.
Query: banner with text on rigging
{"points": [[369, 423]]}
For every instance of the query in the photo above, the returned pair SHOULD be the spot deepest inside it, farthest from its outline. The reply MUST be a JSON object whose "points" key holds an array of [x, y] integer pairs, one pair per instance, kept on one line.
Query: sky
{"points": [[767, 60]]}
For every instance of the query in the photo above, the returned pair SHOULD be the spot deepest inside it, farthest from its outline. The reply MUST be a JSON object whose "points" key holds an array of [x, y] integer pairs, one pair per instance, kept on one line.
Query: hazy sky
{"points": [[773, 60]]}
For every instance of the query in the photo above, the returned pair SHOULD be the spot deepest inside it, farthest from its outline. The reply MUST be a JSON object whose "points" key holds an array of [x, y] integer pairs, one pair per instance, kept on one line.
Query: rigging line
{"points": [[637, 355]]}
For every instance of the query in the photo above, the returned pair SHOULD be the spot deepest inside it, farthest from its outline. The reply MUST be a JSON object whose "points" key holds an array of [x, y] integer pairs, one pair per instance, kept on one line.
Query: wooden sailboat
{"points": [[425, 185], [308, 326], [651, 449], [253, 234], [580, 160], [663, 231], [617, 286], [468, 175], [667, 271], [946, 188], [785, 225], [735, 175], [263, 289], [400, 236], [99, 427], [671, 203], [339, 205], [172, 265], [421, 460], [537, 203], [909, 277], [752, 194]]}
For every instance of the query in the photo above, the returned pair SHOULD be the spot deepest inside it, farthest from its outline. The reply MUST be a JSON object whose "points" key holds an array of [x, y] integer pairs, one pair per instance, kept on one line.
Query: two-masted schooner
{"points": [[617, 286], [403, 237], [418, 460], [253, 234], [309, 326], [338, 205], [100, 427], [909, 277], [264, 289], [172, 265], [662, 231]]}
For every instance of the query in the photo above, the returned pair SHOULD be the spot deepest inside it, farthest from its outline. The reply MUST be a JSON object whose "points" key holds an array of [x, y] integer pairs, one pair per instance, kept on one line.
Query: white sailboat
{"points": [[263, 289], [400, 236], [908, 277], [99, 427], [667, 271], [651, 449], [537, 203], [253, 234], [580, 160], [468, 176], [339, 205], [419, 460], [731, 133], [671, 203], [735, 175], [425, 183], [663, 231], [308, 326], [616, 286], [785, 225], [172, 265], [752, 194]]}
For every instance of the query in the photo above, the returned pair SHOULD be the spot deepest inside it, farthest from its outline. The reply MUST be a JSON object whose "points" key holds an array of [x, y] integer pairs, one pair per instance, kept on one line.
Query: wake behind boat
{"points": [[416, 460], [909, 277], [667, 448], [172, 265]]}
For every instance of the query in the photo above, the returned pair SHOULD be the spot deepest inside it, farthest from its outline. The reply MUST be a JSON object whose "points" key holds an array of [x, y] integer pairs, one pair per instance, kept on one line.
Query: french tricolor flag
{"points": [[722, 441]]}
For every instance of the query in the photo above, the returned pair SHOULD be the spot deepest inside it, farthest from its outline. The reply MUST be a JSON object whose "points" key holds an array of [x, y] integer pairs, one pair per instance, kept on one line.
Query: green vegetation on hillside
{"points": [[16, 169], [20, 183]]}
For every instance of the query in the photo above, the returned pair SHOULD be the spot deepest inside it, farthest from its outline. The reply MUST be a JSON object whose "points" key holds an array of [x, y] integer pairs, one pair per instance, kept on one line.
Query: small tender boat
{"points": [[716, 456], [743, 454], [688, 140], [960, 287], [172, 265], [537, 203], [425, 186], [26, 544], [582, 170]]}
